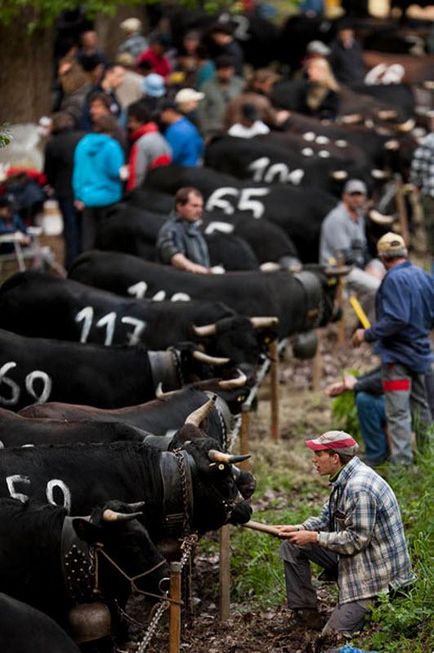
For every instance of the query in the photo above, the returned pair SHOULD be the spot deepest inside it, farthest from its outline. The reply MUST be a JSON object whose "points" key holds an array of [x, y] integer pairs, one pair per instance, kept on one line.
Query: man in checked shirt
{"points": [[358, 539]]}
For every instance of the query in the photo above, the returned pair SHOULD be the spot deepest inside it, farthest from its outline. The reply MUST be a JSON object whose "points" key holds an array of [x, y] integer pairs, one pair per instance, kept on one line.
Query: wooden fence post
{"points": [[274, 382], [225, 573], [175, 608], [317, 365]]}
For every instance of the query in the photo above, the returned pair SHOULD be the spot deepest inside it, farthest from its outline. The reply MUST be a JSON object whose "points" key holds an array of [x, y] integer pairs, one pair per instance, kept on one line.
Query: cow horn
{"points": [[380, 218], [377, 173], [205, 330], [209, 360], [338, 175], [160, 394], [387, 114], [406, 126], [198, 415], [220, 457], [352, 118], [112, 515], [264, 322], [231, 384], [138, 505], [391, 145]]}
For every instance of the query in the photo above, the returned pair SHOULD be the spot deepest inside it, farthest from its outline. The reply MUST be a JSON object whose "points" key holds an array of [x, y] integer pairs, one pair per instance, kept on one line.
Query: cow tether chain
{"points": [[187, 544], [177, 365], [180, 461]]}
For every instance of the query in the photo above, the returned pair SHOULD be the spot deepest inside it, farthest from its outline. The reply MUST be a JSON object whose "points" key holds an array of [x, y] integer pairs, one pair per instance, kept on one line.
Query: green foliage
{"points": [[5, 137], [44, 12], [344, 411]]}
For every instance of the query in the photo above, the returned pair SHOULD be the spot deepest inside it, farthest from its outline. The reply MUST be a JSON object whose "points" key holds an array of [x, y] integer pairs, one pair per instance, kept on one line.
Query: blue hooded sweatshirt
{"points": [[97, 161]]}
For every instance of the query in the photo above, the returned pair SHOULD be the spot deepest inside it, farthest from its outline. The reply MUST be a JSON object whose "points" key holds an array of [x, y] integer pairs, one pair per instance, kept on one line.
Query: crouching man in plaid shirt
{"points": [[358, 538]]}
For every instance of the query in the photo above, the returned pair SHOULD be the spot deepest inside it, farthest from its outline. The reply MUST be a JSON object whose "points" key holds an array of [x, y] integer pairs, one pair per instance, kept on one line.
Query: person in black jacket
{"points": [[320, 96], [59, 159]]}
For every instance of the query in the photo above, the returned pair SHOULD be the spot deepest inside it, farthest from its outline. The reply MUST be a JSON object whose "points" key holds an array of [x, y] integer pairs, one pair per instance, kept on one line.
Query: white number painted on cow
{"points": [[86, 315], [15, 479], [15, 390], [138, 290], [64, 490], [29, 384], [107, 321], [245, 200], [385, 74], [276, 172], [46, 389], [139, 327]]}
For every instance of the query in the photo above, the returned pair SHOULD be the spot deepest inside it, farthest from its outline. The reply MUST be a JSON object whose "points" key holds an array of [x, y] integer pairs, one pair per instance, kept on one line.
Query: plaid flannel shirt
{"points": [[361, 523], [422, 166]]}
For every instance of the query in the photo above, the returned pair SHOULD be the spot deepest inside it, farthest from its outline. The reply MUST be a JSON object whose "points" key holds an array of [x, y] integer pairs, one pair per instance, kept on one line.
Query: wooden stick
{"points": [[262, 528], [175, 608], [317, 365], [244, 439], [274, 380], [402, 212], [225, 574]]}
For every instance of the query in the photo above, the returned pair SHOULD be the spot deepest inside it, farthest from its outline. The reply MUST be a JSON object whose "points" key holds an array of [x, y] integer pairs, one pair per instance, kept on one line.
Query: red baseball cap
{"points": [[336, 441]]}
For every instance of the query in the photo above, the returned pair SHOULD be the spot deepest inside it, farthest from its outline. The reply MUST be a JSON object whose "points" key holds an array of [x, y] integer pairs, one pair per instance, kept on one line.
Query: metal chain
{"points": [[143, 644], [186, 546], [180, 461]]}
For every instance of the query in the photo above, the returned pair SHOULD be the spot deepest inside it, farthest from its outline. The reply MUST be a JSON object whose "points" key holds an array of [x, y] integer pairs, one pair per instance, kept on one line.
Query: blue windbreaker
{"points": [[97, 161]]}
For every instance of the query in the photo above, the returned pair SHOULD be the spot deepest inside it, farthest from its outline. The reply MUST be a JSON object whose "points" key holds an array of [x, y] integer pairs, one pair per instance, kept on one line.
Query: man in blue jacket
{"points": [[405, 317], [182, 136]]}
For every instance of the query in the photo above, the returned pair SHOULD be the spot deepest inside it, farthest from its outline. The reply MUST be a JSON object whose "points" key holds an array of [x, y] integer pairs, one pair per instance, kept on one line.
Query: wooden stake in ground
{"points": [[274, 381], [225, 573], [175, 608]]}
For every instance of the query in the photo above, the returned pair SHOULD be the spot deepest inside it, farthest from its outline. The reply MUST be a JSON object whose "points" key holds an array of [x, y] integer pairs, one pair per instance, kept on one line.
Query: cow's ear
{"points": [[85, 530]]}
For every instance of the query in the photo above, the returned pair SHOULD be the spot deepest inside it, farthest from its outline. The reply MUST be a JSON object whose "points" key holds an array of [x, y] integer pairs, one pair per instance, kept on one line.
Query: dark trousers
{"points": [[346, 617], [71, 229], [92, 217]]}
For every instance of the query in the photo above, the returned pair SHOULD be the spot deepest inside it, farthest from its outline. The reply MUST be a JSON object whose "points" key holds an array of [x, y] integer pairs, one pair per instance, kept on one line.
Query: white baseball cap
{"points": [[188, 95]]}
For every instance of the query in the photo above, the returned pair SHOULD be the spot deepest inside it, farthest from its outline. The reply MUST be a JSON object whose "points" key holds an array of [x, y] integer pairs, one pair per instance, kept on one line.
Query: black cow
{"points": [[160, 417], [37, 369], [39, 305], [384, 149], [288, 159], [297, 212], [48, 559], [194, 488], [19, 431], [26, 630], [135, 231], [300, 302]]}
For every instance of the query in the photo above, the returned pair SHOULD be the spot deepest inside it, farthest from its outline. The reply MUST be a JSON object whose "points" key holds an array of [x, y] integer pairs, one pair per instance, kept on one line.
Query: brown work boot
{"points": [[309, 617]]}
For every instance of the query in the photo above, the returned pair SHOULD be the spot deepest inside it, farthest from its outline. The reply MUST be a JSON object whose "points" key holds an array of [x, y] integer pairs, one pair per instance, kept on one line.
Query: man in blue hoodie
{"points": [[97, 176], [182, 136], [405, 317]]}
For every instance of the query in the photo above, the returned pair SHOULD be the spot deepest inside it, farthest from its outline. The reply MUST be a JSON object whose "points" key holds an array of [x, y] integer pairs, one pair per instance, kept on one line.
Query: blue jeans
{"points": [[372, 419]]}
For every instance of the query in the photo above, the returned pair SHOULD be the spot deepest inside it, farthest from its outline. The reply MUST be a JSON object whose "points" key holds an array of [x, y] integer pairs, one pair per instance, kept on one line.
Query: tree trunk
{"points": [[26, 71]]}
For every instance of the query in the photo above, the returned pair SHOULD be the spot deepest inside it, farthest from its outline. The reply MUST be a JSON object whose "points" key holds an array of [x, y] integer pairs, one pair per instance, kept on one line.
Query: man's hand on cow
{"points": [[358, 337], [197, 269]]}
